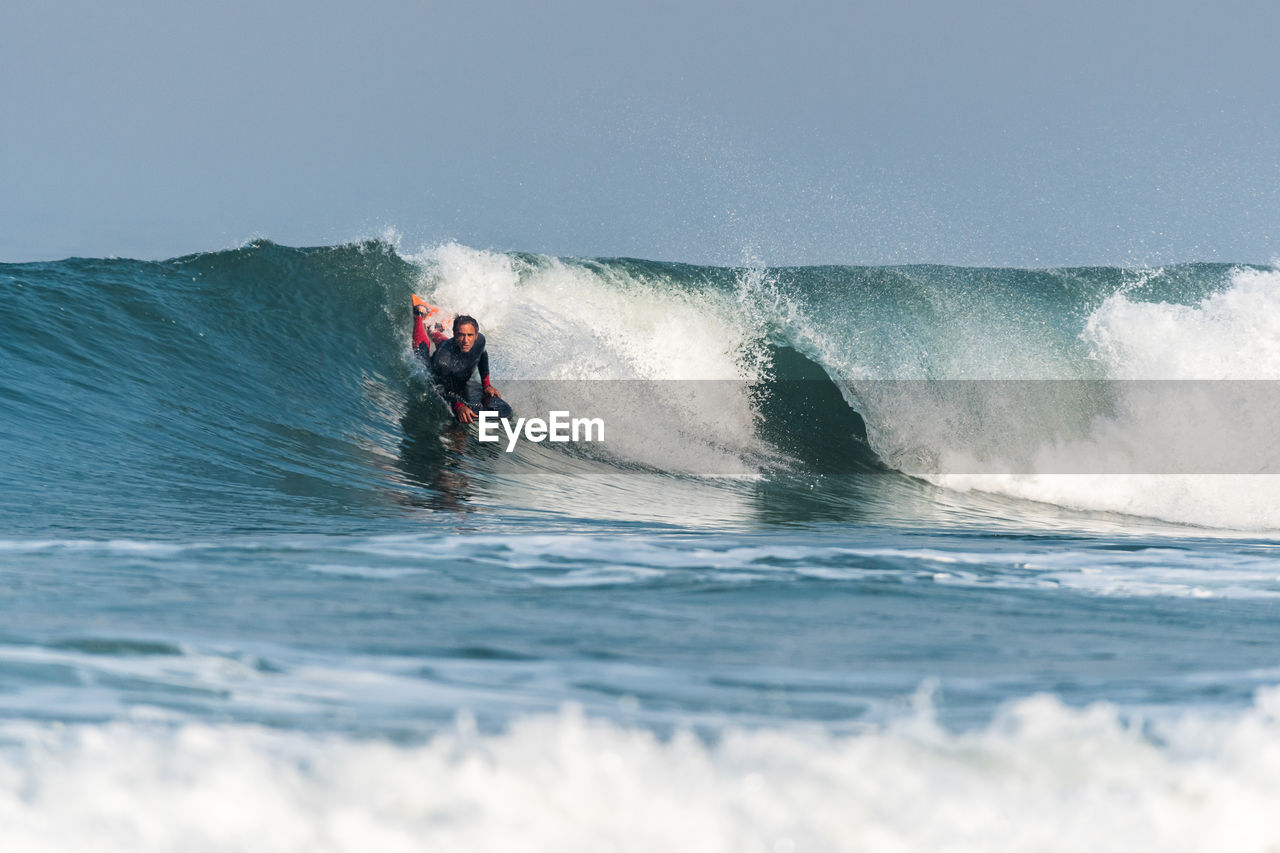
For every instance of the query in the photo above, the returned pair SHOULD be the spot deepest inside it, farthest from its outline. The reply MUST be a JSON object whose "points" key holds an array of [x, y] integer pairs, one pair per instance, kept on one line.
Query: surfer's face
{"points": [[465, 336]]}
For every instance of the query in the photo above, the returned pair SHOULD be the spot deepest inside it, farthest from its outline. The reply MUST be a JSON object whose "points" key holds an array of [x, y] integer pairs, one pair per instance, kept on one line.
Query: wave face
{"points": [[267, 388]]}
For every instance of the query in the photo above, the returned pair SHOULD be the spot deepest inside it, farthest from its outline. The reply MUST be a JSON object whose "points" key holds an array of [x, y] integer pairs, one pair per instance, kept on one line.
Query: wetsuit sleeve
{"points": [[484, 368], [423, 338], [422, 335], [421, 342], [419, 332]]}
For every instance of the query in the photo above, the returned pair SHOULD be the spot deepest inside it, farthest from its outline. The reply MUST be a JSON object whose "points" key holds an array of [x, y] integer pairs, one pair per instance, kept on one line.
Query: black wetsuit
{"points": [[452, 369]]}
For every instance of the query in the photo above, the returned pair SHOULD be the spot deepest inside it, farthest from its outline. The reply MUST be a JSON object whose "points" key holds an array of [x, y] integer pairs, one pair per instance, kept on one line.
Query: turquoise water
{"points": [[259, 592]]}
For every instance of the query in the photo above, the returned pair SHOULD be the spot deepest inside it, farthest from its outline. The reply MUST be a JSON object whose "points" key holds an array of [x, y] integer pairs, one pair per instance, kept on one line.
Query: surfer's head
{"points": [[465, 330]]}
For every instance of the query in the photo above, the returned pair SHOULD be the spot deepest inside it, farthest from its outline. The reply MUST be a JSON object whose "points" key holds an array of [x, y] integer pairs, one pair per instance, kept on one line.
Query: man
{"points": [[453, 362]]}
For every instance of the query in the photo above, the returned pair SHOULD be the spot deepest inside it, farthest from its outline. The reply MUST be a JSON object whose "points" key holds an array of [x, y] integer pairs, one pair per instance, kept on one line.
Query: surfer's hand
{"points": [[465, 414], [490, 391], [420, 310]]}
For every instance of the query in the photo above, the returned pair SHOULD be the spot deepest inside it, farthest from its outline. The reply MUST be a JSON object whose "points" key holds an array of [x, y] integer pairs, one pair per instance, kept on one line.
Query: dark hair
{"points": [[463, 320]]}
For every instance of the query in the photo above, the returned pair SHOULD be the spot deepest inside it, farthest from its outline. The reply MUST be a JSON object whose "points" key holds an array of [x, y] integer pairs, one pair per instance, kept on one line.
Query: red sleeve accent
{"points": [[419, 332], [484, 380], [437, 337]]}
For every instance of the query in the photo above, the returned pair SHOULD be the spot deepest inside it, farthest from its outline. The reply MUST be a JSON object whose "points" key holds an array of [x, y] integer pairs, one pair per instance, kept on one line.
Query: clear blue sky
{"points": [[984, 132]]}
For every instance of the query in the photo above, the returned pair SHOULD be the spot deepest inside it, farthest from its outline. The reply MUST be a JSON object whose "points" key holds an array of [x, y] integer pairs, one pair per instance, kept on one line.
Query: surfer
{"points": [[453, 362]]}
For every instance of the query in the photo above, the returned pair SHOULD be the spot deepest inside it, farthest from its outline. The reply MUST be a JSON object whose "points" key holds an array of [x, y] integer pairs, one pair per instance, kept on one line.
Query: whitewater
{"points": [[885, 558]]}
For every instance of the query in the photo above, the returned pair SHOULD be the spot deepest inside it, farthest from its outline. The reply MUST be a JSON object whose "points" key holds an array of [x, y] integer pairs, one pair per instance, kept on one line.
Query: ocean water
{"points": [[909, 558]]}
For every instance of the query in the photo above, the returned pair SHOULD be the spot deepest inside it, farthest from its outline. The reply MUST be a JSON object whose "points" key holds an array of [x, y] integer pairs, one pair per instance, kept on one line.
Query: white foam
{"points": [[370, 572], [1245, 503], [1141, 450], [585, 321], [1231, 334], [112, 546], [1041, 777]]}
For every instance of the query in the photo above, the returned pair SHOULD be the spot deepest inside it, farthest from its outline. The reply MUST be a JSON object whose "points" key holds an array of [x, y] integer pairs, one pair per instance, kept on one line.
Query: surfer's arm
{"points": [[423, 335], [461, 410], [455, 398], [420, 336], [464, 413]]}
